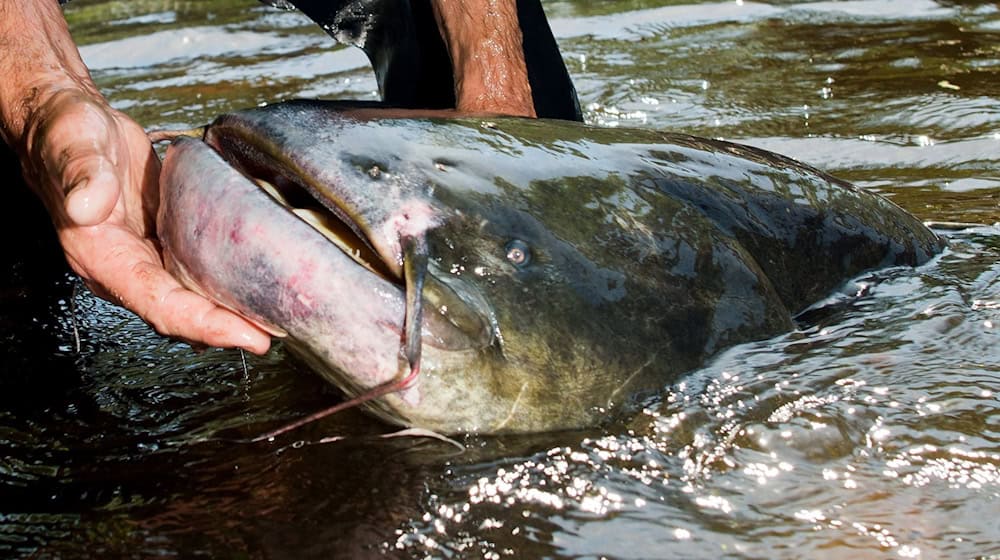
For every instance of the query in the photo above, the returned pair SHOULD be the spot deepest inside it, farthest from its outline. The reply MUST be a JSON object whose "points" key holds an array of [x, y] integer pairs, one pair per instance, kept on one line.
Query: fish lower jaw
{"points": [[357, 371], [186, 279]]}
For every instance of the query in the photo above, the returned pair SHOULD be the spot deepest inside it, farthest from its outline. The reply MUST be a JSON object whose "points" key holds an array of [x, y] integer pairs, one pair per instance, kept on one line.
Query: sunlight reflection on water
{"points": [[872, 431]]}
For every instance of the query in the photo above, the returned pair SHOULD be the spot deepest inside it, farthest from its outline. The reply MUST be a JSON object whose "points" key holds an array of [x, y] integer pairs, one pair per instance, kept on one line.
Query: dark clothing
{"points": [[411, 62]]}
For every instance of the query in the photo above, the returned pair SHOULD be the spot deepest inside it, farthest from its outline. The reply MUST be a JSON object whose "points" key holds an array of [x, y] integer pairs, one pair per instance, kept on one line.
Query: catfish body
{"points": [[569, 267]]}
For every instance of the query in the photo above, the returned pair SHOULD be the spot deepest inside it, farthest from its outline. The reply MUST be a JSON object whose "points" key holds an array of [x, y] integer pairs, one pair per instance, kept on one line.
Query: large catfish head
{"points": [[552, 269]]}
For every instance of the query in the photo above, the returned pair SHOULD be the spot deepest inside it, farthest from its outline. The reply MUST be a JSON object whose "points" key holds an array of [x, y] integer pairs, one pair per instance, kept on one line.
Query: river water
{"points": [[873, 431]]}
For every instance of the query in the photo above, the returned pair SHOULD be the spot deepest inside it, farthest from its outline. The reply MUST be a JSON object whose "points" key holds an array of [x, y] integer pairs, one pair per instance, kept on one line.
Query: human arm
{"points": [[484, 41], [96, 173]]}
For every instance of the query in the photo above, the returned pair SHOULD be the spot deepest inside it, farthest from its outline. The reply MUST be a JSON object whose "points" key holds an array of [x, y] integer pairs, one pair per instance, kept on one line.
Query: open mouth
{"points": [[329, 218], [298, 201], [403, 262], [259, 159]]}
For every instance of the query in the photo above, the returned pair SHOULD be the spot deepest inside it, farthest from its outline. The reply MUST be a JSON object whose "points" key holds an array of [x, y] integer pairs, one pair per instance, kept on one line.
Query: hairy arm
{"points": [[96, 172], [484, 41]]}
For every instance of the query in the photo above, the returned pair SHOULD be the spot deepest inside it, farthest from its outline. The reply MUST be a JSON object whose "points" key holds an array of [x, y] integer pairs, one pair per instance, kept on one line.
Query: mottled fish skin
{"points": [[647, 253]]}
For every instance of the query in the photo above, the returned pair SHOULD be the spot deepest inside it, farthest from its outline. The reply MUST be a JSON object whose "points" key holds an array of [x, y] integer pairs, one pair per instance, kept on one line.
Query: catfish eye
{"points": [[518, 253]]}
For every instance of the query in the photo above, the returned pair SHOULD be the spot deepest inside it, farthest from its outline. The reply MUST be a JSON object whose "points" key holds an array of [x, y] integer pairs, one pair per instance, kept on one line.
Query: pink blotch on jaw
{"points": [[297, 286], [236, 232], [413, 219], [304, 273]]}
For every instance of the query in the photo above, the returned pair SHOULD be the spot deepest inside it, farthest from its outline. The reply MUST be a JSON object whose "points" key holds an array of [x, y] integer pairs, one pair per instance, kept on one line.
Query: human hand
{"points": [[97, 173]]}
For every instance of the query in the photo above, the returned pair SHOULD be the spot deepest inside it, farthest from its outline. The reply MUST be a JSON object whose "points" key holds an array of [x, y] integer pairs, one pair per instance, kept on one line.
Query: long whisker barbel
{"points": [[414, 272]]}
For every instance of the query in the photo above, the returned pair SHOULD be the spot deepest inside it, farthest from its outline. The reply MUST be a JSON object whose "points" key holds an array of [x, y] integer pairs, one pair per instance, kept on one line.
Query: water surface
{"points": [[871, 432]]}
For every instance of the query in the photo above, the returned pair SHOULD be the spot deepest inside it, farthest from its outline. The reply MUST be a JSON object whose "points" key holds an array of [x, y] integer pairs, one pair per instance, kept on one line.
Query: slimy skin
{"points": [[570, 268]]}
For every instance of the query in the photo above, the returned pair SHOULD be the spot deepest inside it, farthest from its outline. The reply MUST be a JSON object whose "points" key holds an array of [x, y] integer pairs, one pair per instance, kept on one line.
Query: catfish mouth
{"points": [[330, 219], [456, 322], [331, 224]]}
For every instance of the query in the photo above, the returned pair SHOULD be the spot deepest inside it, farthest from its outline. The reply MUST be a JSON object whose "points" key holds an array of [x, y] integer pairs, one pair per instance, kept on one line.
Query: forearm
{"points": [[485, 43], [37, 59]]}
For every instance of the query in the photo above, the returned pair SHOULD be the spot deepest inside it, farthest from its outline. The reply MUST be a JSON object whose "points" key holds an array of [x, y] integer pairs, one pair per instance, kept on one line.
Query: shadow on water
{"points": [[36, 285], [870, 432]]}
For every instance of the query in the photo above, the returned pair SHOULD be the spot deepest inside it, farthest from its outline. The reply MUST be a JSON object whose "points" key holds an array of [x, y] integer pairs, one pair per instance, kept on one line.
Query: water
{"points": [[872, 432]]}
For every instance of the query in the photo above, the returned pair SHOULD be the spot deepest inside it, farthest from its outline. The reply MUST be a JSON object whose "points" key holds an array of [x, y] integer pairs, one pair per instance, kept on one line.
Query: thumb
{"points": [[69, 142], [91, 185]]}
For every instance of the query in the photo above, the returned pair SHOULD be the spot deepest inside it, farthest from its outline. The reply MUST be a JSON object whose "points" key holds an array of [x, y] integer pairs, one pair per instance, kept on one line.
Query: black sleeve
{"points": [[411, 62]]}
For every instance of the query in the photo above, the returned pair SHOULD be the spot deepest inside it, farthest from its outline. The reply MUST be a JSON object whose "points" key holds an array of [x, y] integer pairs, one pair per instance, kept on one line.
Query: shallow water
{"points": [[871, 432]]}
